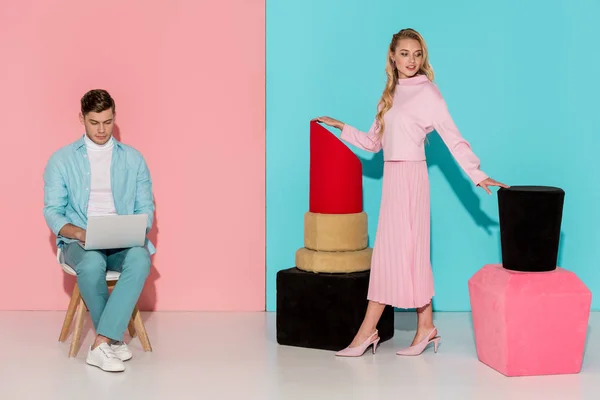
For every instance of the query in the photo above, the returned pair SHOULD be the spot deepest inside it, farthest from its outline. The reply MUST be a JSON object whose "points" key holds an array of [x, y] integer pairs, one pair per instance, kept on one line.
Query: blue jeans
{"points": [[110, 314]]}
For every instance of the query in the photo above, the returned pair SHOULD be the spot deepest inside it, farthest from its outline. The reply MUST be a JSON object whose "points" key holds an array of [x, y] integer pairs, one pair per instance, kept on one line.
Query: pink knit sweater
{"points": [[418, 109]]}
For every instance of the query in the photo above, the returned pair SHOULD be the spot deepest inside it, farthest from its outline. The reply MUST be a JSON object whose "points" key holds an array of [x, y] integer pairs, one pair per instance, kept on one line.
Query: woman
{"points": [[411, 107]]}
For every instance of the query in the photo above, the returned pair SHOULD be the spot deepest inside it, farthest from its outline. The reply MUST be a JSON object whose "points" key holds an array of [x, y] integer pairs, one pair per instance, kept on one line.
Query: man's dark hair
{"points": [[96, 100]]}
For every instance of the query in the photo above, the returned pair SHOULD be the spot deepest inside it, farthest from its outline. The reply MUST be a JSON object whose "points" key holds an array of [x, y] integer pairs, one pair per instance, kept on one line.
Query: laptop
{"points": [[115, 232]]}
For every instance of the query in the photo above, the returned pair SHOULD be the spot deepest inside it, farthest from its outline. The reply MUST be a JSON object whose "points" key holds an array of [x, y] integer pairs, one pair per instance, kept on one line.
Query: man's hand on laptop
{"points": [[73, 232], [80, 235]]}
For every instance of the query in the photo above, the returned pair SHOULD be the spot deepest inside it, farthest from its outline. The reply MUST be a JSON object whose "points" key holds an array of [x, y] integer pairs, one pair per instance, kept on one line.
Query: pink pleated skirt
{"points": [[401, 273]]}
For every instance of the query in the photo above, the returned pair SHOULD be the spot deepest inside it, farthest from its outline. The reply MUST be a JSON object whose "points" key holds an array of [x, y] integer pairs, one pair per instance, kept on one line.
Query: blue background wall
{"points": [[521, 81]]}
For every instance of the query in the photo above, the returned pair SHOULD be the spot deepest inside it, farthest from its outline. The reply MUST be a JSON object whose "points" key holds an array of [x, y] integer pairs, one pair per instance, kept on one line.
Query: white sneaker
{"points": [[105, 358], [121, 350]]}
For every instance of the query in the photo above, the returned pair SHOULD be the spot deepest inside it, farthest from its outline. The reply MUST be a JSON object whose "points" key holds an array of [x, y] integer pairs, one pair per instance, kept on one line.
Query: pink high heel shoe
{"points": [[359, 350], [420, 347]]}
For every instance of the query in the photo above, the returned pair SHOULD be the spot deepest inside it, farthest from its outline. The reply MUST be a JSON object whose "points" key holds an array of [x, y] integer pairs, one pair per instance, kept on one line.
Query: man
{"points": [[97, 175]]}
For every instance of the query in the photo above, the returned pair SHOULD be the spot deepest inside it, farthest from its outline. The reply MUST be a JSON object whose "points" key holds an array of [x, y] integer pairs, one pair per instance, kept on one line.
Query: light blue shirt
{"points": [[67, 187]]}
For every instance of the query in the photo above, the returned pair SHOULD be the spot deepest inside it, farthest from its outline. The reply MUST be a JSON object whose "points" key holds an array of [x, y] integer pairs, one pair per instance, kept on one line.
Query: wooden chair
{"points": [[77, 309]]}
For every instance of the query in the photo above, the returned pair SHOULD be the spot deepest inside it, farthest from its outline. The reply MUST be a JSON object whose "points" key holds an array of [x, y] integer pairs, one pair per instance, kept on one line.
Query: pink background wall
{"points": [[188, 79]]}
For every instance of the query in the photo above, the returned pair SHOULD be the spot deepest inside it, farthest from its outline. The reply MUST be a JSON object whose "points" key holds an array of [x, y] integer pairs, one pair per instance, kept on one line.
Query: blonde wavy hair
{"points": [[385, 103]]}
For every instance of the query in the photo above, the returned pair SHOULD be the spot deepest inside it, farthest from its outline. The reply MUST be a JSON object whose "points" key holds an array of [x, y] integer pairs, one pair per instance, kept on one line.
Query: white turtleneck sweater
{"points": [[101, 198]]}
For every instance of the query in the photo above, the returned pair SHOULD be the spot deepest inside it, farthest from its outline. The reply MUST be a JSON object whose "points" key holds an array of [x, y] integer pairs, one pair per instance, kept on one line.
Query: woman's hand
{"points": [[331, 122], [490, 182]]}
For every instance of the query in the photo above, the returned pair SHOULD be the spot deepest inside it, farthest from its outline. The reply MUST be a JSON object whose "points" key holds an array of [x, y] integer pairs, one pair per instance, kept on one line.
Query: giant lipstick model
{"points": [[321, 302]]}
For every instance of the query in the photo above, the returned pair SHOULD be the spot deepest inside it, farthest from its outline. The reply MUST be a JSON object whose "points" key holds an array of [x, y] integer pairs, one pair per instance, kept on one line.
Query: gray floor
{"points": [[235, 356]]}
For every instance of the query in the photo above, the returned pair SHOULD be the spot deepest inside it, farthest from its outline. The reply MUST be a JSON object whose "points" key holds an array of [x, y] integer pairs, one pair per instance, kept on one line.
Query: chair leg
{"points": [[131, 327], [141, 329], [81, 310], [75, 296]]}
